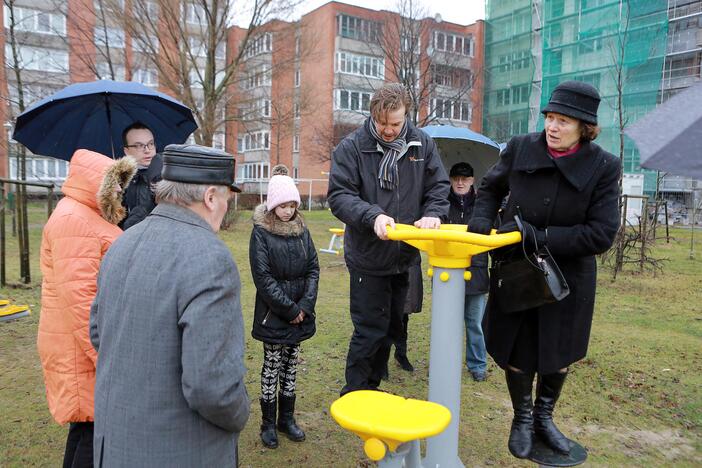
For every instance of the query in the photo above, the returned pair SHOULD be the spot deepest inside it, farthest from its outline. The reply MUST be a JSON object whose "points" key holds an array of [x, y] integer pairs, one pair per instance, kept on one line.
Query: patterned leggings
{"points": [[279, 363]]}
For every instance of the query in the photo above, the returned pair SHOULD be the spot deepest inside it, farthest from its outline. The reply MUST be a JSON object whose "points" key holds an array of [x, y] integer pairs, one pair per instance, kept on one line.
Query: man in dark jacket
{"points": [[138, 142], [386, 171], [462, 199]]}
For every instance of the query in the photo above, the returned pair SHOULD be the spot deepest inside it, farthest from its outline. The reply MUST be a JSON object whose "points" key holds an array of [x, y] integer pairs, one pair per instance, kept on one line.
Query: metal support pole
{"points": [[445, 362], [309, 198]]}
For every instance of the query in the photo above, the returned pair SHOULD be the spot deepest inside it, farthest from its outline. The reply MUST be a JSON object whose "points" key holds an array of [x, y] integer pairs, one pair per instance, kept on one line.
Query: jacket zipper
{"points": [[266, 317]]}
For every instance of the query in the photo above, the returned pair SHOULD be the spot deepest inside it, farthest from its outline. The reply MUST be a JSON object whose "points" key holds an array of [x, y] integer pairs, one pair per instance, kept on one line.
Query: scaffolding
{"points": [[612, 44]]}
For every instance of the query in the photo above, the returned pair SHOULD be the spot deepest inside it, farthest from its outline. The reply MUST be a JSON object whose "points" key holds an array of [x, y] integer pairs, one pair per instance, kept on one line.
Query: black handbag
{"points": [[528, 281]]}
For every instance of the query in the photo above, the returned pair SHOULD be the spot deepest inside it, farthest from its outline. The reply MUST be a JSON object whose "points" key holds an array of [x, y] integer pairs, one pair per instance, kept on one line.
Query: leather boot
{"points": [[286, 419], [268, 435], [548, 389], [520, 435], [402, 360]]}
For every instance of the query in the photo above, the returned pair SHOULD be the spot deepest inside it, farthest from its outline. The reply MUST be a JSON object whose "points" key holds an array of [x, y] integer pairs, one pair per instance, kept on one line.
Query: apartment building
{"points": [[532, 45], [301, 87], [62, 42], [312, 82]]}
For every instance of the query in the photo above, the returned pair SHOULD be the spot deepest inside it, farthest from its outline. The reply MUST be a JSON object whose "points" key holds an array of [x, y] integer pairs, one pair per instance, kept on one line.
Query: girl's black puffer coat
{"points": [[285, 271]]}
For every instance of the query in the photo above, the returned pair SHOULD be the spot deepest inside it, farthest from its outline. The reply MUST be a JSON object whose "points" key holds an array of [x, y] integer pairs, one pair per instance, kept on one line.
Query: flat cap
{"points": [[196, 164]]}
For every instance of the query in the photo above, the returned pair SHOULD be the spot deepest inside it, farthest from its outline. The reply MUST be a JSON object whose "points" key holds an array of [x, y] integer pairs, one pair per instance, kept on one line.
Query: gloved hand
{"points": [[533, 237], [480, 225]]}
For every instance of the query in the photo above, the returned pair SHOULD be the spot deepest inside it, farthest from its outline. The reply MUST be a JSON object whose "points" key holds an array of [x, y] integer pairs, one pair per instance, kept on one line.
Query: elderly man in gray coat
{"points": [[167, 325]]}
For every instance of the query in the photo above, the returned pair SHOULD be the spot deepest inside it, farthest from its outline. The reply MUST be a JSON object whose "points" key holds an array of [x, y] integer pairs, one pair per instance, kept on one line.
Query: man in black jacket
{"points": [[138, 142], [386, 171], [462, 199]]}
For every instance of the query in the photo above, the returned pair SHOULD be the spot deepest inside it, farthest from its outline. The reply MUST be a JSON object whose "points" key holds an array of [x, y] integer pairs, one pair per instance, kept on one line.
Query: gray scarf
{"points": [[392, 151]]}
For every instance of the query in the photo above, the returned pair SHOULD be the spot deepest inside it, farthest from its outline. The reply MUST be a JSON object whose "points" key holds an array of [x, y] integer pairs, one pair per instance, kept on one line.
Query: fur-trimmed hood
{"points": [[271, 223], [92, 178], [110, 203]]}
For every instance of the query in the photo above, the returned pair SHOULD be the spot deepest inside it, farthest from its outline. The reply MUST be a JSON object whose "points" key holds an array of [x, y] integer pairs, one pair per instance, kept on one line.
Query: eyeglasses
{"points": [[142, 146]]}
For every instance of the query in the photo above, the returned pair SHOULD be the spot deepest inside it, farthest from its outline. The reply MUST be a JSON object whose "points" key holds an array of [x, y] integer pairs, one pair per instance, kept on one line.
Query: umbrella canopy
{"points": [[669, 137], [93, 115], [458, 144]]}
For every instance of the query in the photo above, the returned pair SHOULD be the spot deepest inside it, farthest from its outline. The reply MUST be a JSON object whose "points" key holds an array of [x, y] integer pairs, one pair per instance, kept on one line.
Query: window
{"points": [[193, 14], [410, 43], [297, 46], [249, 172], [353, 100], [197, 47], [145, 43], [119, 4], [503, 62], [255, 141], [362, 65], [297, 78], [258, 76], [218, 141], [463, 45], [41, 169], [590, 41], [103, 71], [261, 44], [358, 28], [520, 94], [38, 21], [296, 110], [296, 172], [111, 37], [453, 77], [240, 144], [450, 109], [146, 77], [521, 59], [503, 97], [39, 58], [195, 79], [296, 143]]}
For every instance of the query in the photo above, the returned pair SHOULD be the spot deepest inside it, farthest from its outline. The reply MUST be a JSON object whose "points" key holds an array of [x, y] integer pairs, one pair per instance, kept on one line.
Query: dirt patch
{"points": [[669, 442]]}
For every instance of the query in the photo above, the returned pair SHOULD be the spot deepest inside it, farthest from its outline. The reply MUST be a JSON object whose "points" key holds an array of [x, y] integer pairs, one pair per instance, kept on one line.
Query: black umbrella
{"points": [[93, 115], [458, 144], [669, 138]]}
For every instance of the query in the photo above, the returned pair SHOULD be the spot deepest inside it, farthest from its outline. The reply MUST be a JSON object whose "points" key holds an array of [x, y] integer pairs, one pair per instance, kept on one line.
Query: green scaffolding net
{"points": [[618, 46]]}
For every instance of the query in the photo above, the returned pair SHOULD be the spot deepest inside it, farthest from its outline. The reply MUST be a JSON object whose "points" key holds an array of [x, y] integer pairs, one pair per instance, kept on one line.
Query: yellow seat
{"points": [[13, 311], [381, 417], [4, 302], [337, 231]]}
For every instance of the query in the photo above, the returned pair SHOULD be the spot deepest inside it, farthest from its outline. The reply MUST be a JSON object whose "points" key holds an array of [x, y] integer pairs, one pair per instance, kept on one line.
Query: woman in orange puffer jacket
{"points": [[74, 240]]}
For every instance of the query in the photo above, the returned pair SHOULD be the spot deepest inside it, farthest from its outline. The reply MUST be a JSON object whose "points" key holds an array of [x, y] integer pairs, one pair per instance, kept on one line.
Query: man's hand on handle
{"points": [[380, 227], [428, 222]]}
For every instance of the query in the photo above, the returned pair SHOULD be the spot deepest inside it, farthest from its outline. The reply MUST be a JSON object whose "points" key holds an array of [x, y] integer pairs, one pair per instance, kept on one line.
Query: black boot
{"points": [[286, 419], [548, 389], [402, 360], [520, 435], [268, 435]]}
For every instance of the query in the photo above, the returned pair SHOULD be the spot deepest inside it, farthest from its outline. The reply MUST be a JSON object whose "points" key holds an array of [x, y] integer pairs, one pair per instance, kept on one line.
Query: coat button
{"points": [[547, 200]]}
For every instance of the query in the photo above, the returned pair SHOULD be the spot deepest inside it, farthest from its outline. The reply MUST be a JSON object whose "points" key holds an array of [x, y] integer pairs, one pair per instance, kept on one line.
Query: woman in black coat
{"points": [[565, 189], [285, 271]]}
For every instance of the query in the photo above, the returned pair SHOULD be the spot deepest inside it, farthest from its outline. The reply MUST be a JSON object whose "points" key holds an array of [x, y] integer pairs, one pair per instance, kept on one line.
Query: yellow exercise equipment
{"points": [[382, 419]]}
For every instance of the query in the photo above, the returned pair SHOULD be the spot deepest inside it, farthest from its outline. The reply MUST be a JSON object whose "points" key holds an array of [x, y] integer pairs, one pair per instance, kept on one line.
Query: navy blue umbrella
{"points": [[458, 144], [93, 115]]}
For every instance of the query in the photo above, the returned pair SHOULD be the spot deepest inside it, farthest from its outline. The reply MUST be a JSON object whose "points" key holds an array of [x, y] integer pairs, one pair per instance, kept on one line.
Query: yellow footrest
{"points": [[381, 417]]}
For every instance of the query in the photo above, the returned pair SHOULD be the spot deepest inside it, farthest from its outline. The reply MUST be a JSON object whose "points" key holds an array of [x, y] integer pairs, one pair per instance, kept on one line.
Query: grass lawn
{"points": [[636, 400]]}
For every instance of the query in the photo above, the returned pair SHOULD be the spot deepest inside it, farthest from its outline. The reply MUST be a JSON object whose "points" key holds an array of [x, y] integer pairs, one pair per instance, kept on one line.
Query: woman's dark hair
{"points": [[588, 131]]}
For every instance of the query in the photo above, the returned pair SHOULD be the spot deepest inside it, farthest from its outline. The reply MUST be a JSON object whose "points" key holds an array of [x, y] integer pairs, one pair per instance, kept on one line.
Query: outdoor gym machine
{"points": [[387, 421]]}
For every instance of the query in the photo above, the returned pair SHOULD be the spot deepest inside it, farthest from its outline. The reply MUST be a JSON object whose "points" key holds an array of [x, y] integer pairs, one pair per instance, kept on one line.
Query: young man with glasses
{"points": [[139, 143]]}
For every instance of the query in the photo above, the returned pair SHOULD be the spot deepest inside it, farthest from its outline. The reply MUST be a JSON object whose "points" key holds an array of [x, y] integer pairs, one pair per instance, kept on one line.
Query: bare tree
{"points": [[185, 42], [439, 77]]}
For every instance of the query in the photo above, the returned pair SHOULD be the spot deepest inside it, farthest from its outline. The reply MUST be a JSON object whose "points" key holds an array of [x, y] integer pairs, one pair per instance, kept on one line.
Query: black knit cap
{"points": [[195, 164], [575, 99], [461, 169]]}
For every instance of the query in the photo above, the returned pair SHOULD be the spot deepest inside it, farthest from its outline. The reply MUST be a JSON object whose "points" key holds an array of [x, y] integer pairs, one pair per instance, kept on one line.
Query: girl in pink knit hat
{"points": [[285, 271]]}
